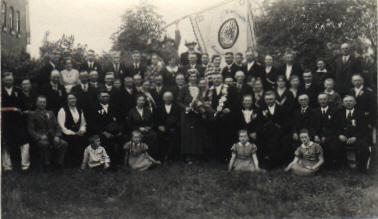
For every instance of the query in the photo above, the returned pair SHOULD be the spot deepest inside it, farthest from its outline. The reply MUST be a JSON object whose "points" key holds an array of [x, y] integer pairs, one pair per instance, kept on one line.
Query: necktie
{"points": [[349, 115]]}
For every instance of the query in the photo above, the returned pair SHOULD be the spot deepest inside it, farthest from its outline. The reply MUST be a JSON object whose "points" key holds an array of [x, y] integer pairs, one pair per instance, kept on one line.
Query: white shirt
{"points": [[94, 157], [218, 89], [75, 116], [194, 91], [90, 64], [247, 115], [280, 91], [358, 90], [108, 87], [289, 67], [9, 90], [250, 64], [140, 111], [172, 69], [272, 109], [129, 90], [346, 58], [268, 69], [324, 109], [84, 87], [105, 107], [349, 112], [168, 108]]}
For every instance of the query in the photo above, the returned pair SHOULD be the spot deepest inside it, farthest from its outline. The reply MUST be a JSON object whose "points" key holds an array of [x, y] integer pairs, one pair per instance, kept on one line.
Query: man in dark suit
{"points": [[179, 85], [303, 118], [136, 66], [272, 132], [231, 68], [116, 66], [365, 98], [86, 95], [290, 67], [353, 135], [345, 66], [184, 57], [193, 64], [126, 97], [54, 92], [13, 127], [253, 68], [218, 97], [158, 90], [105, 121], [325, 132], [45, 132], [310, 87], [239, 90], [51, 64], [269, 74], [168, 124], [92, 64]]}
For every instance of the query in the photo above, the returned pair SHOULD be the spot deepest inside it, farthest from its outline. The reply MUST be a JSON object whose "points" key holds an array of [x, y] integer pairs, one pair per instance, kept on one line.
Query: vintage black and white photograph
{"points": [[189, 109]]}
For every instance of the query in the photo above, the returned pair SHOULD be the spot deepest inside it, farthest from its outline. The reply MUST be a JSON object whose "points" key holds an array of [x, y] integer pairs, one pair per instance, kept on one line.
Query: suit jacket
{"points": [[55, 99], [135, 121], [212, 96], [198, 67], [229, 71], [28, 101], [126, 101], [257, 70], [101, 121], [158, 96], [43, 123], [184, 58], [170, 77], [354, 127], [236, 95], [325, 125], [286, 101], [131, 70], [86, 99], [296, 70], [240, 122], [119, 72], [96, 67], [344, 72], [170, 121], [366, 102], [312, 92], [271, 123], [304, 120]]}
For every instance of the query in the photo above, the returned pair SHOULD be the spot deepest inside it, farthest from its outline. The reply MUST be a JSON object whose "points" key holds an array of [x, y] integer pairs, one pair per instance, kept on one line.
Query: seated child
{"points": [[136, 153], [244, 156], [95, 155], [308, 156]]}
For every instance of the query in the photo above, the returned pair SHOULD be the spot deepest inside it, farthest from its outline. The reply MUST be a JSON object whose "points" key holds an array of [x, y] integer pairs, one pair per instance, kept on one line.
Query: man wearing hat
{"points": [[184, 58]]}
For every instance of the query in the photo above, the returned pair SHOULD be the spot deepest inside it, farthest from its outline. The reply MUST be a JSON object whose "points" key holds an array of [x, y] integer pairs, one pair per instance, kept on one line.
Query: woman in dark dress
{"points": [[284, 97], [170, 72], [193, 124], [74, 127], [141, 118]]}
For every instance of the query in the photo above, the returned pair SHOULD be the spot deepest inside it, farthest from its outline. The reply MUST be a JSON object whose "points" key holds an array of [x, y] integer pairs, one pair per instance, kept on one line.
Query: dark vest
{"points": [[69, 123]]}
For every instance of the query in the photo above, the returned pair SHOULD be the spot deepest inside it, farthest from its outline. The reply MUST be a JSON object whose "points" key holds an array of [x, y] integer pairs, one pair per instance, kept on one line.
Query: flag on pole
{"points": [[227, 27]]}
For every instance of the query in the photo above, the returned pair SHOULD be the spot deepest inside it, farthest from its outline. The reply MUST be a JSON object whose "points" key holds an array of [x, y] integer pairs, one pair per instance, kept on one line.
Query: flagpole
{"points": [[195, 34]]}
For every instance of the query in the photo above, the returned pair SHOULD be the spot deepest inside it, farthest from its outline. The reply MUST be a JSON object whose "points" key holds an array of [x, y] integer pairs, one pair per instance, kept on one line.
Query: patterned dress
{"points": [[308, 156], [138, 158], [243, 160]]}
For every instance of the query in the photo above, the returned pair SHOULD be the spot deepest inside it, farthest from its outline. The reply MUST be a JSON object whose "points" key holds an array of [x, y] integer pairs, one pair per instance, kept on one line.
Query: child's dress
{"points": [[308, 157], [138, 158], [243, 159], [95, 157]]}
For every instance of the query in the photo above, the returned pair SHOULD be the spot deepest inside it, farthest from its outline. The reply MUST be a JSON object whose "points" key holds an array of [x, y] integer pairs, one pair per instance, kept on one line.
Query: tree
{"points": [[65, 47], [140, 26], [316, 28]]}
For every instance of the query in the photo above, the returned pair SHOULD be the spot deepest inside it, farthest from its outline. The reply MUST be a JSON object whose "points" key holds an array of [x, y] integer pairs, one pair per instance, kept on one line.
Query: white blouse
{"points": [[75, 117]]}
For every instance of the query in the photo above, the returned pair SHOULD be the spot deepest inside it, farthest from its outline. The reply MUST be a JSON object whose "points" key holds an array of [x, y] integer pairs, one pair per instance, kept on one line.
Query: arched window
{"points": [[18, 22], [3, 15], [11, 16]]}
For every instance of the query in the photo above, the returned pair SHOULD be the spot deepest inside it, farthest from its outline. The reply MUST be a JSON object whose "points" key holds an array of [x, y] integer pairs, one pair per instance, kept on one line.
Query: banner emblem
{"points": [[228, 33]]}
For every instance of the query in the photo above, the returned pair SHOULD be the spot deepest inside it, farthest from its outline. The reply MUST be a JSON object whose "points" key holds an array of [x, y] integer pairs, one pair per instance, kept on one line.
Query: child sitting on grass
{"points": [[244, 156], [95, 156], [308, 157], [136, 153]]}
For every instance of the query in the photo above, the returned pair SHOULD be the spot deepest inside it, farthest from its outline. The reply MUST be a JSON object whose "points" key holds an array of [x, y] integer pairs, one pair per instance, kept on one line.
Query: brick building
{"points": [[15, 29]]}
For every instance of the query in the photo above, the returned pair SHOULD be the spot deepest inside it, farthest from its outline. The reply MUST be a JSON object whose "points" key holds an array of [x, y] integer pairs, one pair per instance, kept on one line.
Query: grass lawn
{"points": [[182, 191]]}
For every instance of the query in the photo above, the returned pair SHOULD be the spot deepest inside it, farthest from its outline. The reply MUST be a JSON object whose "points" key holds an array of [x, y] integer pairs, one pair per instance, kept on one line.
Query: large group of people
{"points": [[254, 115]]}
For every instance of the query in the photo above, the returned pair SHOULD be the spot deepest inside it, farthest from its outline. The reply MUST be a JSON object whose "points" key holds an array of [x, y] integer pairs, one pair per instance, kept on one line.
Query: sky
{"points": [[92, 22]]}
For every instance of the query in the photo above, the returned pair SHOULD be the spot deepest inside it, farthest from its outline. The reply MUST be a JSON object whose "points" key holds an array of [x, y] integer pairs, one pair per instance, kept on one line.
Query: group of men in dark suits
{"points": [[258, 99]]}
